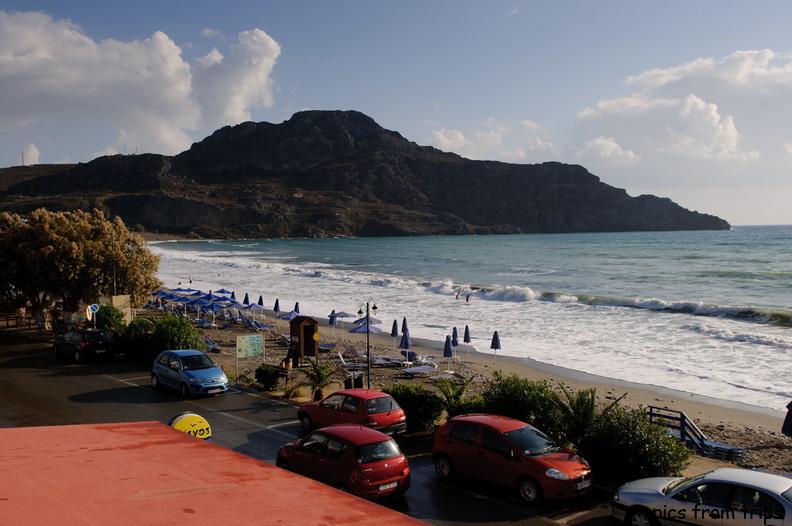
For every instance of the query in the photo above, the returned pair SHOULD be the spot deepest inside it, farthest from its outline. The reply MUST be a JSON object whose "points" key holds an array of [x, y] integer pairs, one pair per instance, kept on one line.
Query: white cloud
{"points": [[210, 33], [497, 140], [30, 154], [228, 88], [605, 149], [52, 72], [452, 141]]}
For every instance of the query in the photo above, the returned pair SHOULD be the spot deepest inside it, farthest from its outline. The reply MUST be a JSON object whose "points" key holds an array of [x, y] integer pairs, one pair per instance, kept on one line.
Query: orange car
{"points": [[511, 453], [366, 407], [349, 457]]}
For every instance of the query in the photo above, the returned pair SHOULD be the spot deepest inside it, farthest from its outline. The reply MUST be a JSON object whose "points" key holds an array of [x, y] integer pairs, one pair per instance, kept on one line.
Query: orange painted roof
{"points": [[148, 473]]}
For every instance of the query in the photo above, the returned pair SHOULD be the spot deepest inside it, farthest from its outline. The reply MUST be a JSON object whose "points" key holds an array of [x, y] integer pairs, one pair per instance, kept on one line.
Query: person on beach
{"points": [[467, 298], [457, 296]]}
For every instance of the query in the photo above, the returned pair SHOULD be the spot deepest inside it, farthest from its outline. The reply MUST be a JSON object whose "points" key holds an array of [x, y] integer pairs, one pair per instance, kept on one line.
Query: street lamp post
{"points": [[370, 307]]}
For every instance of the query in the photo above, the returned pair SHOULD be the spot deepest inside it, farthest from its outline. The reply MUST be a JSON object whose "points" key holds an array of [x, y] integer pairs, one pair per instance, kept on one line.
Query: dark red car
{"points": [[511, 453], [366, 407], [352, 458]]}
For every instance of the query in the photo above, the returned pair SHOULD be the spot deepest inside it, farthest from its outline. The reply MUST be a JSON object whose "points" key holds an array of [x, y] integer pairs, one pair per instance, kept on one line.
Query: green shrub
{"points": [[111, 319], [524, 400], [421, 406], [134, 342], [144, 339], [268, 377], [466, 405], [624, 445]]}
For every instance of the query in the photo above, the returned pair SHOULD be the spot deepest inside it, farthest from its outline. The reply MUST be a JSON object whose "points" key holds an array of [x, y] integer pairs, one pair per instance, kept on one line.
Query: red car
{"points": [[511, 453], [366, 407], [350, 457]]}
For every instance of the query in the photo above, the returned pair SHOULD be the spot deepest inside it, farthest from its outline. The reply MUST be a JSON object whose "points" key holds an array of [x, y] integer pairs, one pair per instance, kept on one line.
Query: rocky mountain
{"points": [[337, 173]]}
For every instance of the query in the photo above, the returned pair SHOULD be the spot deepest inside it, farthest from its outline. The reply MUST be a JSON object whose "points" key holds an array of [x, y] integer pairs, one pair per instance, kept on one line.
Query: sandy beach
{"points": [[756, 429]]}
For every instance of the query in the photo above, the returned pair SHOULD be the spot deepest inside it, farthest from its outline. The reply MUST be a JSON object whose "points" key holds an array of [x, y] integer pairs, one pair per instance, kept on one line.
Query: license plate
{"points": [[99, 351], [385, 487], [583, 485], [213, 391]]}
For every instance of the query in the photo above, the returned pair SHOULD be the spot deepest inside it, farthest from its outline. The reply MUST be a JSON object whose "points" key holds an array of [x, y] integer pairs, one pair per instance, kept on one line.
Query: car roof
{"points": [[355, 433], [185, 352], [759, 479], [501, 423], [365, 394]]}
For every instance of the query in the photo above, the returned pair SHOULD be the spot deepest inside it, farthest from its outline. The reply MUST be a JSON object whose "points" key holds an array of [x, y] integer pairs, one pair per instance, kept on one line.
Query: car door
{"points": [[462, 447], [494, 460], [753, 507], [170, 370], [328, 410], [310, 458], [702, 504]]}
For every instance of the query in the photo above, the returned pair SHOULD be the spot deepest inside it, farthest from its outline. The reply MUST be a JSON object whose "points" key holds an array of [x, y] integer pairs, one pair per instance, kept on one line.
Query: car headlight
{"points": [[224, 378], [553, 473]]}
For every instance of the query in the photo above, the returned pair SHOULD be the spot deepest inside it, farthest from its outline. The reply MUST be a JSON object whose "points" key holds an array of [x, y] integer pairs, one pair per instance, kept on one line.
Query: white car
{"points": [[723, 497]]}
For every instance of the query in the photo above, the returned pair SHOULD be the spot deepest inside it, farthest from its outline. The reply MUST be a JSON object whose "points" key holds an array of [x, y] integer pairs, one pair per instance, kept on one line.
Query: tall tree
{"points": [[73, 257]]}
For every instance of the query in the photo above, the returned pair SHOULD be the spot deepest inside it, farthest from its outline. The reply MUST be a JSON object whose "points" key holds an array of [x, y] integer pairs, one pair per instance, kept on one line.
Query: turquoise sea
{"points": [[703, 312]]}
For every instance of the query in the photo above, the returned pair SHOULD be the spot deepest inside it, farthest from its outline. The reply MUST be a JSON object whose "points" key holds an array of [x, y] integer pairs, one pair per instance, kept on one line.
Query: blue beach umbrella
{"points": [[288, 316], [161, 293], [332, 319], [343, 315], [247, 299], [454, 337], [466, 338], [363, 328], [276, 308], [404, 324], [495, 344], [395, 333], [297, 307], [406, 341], [233, 296], [261, 301], [448, 351], [371, 319]]}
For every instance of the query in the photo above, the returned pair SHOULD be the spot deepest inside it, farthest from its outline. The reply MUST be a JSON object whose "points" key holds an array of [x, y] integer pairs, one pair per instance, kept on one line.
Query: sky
{"points": [[690, 100]]}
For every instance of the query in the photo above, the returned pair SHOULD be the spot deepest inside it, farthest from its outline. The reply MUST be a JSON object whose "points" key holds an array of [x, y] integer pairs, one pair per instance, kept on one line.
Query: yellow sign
{"points": [[316, 336], [192, 424]]}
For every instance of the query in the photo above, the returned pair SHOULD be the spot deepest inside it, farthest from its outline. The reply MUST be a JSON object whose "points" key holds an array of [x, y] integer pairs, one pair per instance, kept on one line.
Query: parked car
{"points": [[349, 457], [189, 371], [367, 407], [728, 496], [511, 453], [85, 344]]}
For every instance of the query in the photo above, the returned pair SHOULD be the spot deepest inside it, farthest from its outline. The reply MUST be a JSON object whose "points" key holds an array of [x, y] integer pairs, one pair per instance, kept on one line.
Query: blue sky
{"points": [[686, 100]]}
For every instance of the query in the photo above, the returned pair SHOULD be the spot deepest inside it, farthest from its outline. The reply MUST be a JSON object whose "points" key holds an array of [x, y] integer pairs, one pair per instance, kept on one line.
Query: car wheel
{"points": [[444, 467], [341, 487], [641, 517], [155, 383], [529, 490], [306, 423], [281, 463], [184, 390], [76, 356]]}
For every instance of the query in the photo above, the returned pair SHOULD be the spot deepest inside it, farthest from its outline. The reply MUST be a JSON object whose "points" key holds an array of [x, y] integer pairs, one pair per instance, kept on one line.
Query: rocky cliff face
{"points": [[334, 173]]}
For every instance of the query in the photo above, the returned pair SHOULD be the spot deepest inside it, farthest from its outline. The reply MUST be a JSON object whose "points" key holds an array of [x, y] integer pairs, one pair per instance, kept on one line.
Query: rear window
{"points": [[378, 451], [382, 404], [97, 337]]}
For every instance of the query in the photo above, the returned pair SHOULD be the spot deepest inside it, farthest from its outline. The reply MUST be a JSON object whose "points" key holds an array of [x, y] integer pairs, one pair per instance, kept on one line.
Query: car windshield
{"points": [[679, 483], [382, 404], [378, 451], [97, 337], [531, 441], [196, 361]]}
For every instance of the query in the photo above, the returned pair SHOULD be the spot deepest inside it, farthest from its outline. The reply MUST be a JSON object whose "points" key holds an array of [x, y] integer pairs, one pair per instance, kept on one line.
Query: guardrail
{"points": [[686, 430]]}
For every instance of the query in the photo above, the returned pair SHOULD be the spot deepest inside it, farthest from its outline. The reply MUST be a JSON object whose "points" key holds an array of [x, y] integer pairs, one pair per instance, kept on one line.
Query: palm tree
{"points": [[579, 409], [318, 377]]}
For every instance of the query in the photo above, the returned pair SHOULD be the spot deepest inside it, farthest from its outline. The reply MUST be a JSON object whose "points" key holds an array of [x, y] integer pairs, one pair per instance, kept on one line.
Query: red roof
{"points": [[148, 473]]}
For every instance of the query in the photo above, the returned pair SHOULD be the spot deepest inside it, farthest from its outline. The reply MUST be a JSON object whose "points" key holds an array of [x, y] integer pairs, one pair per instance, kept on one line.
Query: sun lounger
{"points": [[420, 370], [345, 365], [211, 344]]}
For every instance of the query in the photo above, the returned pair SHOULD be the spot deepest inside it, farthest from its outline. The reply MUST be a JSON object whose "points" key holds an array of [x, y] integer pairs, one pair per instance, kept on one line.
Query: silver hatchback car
{"points": [[723, 497], [189, 371]]}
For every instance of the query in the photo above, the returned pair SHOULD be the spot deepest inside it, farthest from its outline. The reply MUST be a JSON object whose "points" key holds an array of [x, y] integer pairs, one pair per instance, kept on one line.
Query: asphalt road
{"points": [[38, 391]]}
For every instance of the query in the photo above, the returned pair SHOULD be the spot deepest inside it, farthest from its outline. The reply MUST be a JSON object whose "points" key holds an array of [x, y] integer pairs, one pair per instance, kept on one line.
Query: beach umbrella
{"points": [[343, 315], [223, 291], [253, 306], [161, 293], [363, 328], [466, 338], [448, 351], [288, 316], [332, 321], [247, 299], [495, 343], [395, 333], [261, 301], [404, 324], [371, 319], [233, 296], [406, 341], [276, 308], [297, 307], [454, 337]]}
